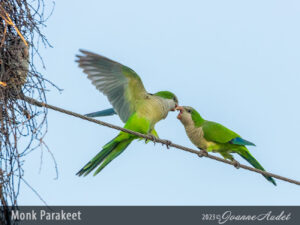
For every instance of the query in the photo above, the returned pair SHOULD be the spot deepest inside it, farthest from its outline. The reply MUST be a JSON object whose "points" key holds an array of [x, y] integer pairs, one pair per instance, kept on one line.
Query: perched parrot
{"points": [[214, 137], [137, 108]]}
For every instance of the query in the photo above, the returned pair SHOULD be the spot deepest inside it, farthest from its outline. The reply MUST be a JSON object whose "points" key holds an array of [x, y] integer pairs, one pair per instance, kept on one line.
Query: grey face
{"points": [[185, 114]]}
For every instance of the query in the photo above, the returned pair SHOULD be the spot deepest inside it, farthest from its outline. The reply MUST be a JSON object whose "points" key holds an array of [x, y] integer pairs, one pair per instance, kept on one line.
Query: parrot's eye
{"points": [[189, 111]]}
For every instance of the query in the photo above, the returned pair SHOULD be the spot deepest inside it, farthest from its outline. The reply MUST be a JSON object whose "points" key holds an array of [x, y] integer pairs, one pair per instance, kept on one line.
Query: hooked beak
{"points": [[174, 108], [181, 109]]}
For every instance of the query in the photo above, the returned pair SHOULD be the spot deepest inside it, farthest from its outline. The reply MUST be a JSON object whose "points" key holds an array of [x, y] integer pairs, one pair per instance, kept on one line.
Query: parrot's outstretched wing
{"points": [[119, 83]]}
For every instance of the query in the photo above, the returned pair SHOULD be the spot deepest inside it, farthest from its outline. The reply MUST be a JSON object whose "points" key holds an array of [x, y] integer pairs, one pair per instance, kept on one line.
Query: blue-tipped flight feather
{"points": [[106, 112], [241, 141]]}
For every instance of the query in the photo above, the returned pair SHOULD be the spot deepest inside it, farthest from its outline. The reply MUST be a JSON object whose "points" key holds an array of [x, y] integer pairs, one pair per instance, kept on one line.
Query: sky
{"points": [[236, 62]]}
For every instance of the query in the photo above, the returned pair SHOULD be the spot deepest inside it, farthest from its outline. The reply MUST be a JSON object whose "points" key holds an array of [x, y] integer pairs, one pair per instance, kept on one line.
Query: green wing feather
{"points": [[119, 83], [217, 133]]}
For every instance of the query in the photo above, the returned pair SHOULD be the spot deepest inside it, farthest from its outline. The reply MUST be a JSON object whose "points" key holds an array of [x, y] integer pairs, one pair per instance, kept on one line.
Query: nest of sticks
{"points": [[22, 126]]}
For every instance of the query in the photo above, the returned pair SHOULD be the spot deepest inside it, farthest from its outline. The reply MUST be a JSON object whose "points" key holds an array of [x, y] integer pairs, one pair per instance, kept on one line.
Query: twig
{"points": [[8, 20], [34, 191], [148, 137]]}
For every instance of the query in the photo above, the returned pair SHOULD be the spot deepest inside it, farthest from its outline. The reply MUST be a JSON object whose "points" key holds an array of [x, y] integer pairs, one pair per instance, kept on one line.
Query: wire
{"points": [[157, 140]]}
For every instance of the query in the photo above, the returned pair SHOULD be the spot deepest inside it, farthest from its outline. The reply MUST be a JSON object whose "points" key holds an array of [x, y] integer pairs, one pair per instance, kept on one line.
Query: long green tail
{"points": [[247, 156], [110, 151]]}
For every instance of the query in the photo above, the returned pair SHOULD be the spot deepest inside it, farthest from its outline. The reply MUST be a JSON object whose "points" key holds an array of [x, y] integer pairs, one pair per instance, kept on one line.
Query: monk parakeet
{"points": [[213, 137], [137, 108]]}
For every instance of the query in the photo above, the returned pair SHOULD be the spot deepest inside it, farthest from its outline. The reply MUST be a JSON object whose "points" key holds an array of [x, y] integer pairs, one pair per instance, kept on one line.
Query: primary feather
{"points": [[105, 112], [122, 86]]}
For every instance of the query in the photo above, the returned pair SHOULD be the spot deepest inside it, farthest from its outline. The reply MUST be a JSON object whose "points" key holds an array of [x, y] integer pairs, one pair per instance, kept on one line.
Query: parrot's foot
{"points": [[236, 164], [153, 138], [167, 143], [203, 153]]}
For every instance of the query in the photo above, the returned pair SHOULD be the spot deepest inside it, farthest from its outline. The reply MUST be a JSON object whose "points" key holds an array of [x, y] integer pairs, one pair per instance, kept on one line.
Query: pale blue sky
{"points": [[236, 62]]}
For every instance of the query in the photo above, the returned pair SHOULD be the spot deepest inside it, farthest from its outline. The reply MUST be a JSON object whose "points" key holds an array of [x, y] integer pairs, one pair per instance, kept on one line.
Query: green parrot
{"points": [[214, 137], [137, 108]]}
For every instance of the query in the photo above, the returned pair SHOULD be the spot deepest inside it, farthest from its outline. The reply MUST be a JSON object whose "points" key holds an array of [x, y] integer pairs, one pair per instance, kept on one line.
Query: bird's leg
{"points": [[203, 153], [227, 155], [236, 164], [167, 143], [153, 138]]}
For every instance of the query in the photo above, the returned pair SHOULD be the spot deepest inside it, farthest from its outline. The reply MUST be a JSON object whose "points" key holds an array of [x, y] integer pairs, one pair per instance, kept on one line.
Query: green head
{"points": [[167, 95], [189, 116], [171, 98]]}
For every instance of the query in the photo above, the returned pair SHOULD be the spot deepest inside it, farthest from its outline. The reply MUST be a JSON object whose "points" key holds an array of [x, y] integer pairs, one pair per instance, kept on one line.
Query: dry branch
{"points": [[158, 140]]}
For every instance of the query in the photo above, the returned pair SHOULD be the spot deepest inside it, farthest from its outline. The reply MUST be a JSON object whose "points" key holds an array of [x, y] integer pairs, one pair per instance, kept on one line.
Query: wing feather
{"points": [[122, 86], [217, 133]]}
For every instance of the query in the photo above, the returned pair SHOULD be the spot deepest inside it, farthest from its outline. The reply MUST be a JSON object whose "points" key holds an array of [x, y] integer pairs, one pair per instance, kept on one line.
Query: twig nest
{"points": [[14, 65]]}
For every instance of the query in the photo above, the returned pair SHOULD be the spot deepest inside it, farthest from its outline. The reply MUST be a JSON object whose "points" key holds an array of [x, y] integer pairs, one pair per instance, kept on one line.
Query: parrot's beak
{"points": [[181, 109], [174, 108]]}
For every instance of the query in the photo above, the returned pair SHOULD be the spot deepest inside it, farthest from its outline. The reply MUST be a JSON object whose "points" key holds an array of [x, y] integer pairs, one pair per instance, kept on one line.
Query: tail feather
{"points": [[106, 112], [114, 153], [248, 157], [110, 151]]}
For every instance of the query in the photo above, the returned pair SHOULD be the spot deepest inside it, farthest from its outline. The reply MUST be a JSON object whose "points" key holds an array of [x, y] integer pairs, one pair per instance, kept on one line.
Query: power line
{"points": [[157, 140]]}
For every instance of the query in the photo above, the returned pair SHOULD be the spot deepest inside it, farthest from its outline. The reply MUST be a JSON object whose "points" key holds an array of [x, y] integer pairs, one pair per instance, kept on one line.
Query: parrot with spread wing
{"points": [[137, 108], [214, 137]]}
